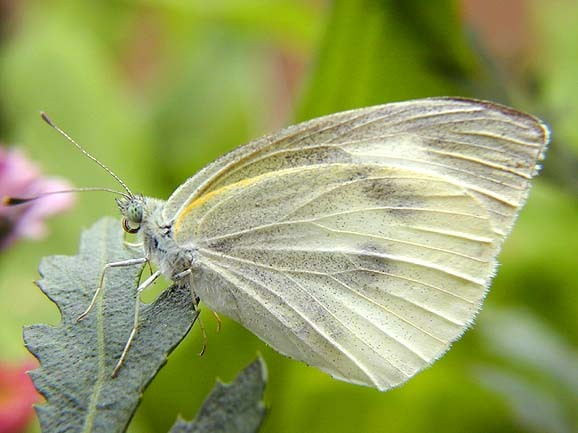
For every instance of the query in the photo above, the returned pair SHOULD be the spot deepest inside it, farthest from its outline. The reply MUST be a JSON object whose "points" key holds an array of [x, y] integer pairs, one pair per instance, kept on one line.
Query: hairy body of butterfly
{"points": [[363, 242], [174, 261]]}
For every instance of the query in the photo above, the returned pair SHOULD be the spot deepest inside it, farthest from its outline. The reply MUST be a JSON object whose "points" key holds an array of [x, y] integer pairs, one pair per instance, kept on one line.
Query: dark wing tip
{"points": [[540, 127]]}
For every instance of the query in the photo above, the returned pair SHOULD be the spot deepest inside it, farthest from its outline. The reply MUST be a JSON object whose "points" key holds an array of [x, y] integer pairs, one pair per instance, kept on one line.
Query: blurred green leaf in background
{"points": [[156, 89]]}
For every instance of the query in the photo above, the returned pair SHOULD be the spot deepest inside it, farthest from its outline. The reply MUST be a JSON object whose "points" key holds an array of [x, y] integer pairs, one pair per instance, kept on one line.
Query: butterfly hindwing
{"points": [[350, 268]]}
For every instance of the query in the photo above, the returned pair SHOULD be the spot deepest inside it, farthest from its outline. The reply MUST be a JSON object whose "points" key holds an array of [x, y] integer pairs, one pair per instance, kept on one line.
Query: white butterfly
{"points": [[362, 243]]}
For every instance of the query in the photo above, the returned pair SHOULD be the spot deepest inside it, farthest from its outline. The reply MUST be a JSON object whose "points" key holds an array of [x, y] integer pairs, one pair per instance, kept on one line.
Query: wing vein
{"points": [[378, 138], [322, 333], [355, 334], [401, 277], [224, 270], [276, 153], [350, 253], [499, 137], [334, 214], [470, 186], [486, 163], [403, 319], [407, 120], [399, 241]]}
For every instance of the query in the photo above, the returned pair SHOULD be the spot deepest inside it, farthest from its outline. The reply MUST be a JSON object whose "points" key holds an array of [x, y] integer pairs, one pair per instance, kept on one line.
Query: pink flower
{"points": [[20, 177], [17, 395]]}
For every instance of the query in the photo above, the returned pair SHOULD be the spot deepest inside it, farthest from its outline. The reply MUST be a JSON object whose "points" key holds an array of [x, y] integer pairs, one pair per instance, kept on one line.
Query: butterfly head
{"points": [[132, 209]]}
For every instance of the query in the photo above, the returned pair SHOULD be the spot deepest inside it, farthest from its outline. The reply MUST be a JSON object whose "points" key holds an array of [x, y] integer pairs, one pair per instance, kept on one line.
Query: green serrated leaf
{"points": [[77, 359], [231, 408]]}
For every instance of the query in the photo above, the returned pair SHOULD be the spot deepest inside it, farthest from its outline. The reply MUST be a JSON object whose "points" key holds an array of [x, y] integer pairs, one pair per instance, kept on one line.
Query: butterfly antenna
{"points": [[88, 155], [15, 201]]}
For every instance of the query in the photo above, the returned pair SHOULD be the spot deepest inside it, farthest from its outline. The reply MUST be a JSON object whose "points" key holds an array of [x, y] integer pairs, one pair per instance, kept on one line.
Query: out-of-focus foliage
{"points": [[158, 88], [373, 52], [536, 370]]}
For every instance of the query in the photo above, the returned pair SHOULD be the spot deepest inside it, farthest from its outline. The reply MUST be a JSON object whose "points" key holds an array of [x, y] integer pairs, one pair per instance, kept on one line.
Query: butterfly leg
{"points": [[196, 301], [131, 262], [204, 334], [149, 281], [218, 319]]}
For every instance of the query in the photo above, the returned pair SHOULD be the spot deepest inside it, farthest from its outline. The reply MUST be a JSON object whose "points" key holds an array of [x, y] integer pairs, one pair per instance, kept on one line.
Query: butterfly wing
{"points": [[361, 243]]}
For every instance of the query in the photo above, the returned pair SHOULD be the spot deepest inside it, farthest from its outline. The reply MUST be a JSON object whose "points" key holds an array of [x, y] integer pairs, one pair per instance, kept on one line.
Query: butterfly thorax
{"points": [[157, 235]]}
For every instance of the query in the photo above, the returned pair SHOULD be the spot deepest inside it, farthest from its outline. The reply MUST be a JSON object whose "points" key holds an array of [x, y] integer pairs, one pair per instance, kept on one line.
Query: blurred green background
{"points": [[158, 88]]}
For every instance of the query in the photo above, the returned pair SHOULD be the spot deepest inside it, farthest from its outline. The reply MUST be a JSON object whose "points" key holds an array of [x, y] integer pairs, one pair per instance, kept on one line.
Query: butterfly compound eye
{"points": [[134, 212]]}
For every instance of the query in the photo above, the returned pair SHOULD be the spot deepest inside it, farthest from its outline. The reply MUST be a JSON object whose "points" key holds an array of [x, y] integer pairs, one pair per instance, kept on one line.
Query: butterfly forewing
{"points": [[488, 149]]}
